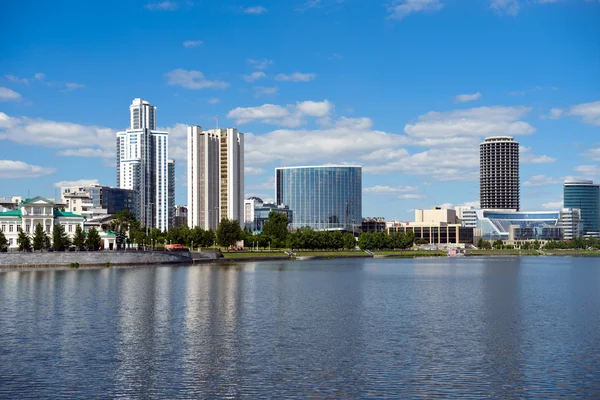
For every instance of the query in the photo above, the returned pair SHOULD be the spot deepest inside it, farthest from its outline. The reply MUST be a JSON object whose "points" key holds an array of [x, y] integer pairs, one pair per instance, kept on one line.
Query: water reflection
{"points": [[503, 328]]}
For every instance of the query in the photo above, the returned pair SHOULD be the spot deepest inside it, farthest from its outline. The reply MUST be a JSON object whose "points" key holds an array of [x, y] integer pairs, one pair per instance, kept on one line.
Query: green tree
{"points": [[79, 238], [536, 245], [93, 241], [60, 239], [498, 244], [228, 232], [365, 241], [3, 241], [349, 241], [39, 237], [480, 243], [47, 242], [23, 241], [276, 228], [208, 238]]}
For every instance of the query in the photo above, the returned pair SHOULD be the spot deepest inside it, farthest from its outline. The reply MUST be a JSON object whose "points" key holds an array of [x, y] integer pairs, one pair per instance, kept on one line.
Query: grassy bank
{"points": [[253, 254], [411, 253], [513, 252]]}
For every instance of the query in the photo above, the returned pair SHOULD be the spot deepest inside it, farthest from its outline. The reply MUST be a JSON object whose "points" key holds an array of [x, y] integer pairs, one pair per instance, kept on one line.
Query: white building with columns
{"points": [[32, 212]]}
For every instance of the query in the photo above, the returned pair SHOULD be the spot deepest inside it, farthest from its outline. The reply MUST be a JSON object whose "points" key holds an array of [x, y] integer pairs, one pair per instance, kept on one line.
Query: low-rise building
{"points": [[570, 222], [256, 213], [372, 224], [436, 215], [436, 233], [181, 215], [467, 216], [34, 211]]}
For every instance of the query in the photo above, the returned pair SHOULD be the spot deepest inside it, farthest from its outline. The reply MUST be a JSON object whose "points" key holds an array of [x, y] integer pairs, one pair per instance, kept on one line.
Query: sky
{"points": [[406, 88]]}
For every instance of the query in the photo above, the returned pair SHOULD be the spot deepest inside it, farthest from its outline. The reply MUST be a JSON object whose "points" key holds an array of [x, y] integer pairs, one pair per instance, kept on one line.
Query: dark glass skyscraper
{"points": [[323, 198], [584, 195], [499, 173]]}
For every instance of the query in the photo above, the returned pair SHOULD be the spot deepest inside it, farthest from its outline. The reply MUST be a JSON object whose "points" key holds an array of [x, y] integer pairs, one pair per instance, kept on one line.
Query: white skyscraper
{"points": [[215, 176], [142, 165]]}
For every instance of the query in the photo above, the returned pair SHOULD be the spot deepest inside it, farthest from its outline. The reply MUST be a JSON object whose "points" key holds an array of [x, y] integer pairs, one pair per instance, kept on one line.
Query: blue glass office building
{"points": [[584, 195], [323, 198]]}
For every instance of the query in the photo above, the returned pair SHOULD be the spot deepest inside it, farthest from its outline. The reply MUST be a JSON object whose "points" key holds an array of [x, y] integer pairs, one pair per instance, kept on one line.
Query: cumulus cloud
{"points": [[255, 76], [400, 9], [541, 180], [260, 91], [463, 98], [10, 169], [553, 205], [7, 94], [291, 115], [251, 171], [260, 64], [505, 7], [214, 100], [295, 77], [592, 154], [588, 171], [192, 43], [162, 6], [194, 80], [26, 81], [80, 182], [385, 190], [589, 112], [527, 157], [254, 10]]}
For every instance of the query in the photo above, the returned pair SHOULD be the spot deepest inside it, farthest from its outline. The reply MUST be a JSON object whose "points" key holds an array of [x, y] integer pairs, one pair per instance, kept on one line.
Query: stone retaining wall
{"points": [[52, 259]]}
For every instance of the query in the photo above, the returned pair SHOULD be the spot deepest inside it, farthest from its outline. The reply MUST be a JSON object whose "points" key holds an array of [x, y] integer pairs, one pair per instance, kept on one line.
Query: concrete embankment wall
{"points": [[54, 259]]}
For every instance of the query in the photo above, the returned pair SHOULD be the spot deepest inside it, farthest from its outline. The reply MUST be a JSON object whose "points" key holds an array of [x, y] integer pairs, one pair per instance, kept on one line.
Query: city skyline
{"points": [[409, 99]]}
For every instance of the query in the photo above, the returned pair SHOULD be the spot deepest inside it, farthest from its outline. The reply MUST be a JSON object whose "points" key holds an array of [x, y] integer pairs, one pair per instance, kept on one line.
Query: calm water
{"points": [[499, 328]]}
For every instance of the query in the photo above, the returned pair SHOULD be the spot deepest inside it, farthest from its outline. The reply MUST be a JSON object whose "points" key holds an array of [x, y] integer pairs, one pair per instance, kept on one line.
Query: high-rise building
{"points": [[171, 168], [584, 195], [142, 164], [215, 176], [325, 197], [499, 173], [570, 222]]}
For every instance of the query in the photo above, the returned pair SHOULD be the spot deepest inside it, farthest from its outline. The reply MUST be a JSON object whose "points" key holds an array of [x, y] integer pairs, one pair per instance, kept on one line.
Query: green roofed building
{"points": [[33, 211]]}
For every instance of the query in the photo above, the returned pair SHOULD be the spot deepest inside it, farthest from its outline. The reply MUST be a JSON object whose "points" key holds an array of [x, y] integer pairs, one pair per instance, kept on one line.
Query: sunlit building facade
{"points": [[584, 195], [321, 197]]}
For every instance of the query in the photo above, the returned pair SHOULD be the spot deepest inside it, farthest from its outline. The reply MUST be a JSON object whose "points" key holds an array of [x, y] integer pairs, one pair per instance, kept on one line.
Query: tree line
{"points": [[59, 241]]}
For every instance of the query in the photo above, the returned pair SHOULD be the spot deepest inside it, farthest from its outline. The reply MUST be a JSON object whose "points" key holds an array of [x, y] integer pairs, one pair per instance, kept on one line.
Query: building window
{"points": [[27, 228], [10, 228], [10, 242], [3, 228], [70, 228], [74, 208], [47, 228]]}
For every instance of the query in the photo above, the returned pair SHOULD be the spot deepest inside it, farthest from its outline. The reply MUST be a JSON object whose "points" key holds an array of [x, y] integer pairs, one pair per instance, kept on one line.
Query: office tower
{"points": [[215, 176], [584, 195], [323, 197], [570, 222], [93, 200], [499, 173], [142, 164]]}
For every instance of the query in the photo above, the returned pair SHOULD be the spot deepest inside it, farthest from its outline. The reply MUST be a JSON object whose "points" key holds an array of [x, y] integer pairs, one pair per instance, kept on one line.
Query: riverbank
{"points": [[92, 258]]}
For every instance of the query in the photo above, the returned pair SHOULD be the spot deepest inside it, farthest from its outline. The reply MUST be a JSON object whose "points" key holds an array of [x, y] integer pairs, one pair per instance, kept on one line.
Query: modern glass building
{"points": [[525, 225], [321, 197], [584, 195]]}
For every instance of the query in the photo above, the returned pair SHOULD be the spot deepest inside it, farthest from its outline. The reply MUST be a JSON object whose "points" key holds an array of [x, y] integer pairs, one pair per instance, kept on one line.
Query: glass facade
{"points": [[322, 198], [584, 195], [528, 225]]}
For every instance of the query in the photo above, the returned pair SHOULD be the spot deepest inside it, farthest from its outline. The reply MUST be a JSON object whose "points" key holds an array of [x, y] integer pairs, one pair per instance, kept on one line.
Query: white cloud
{"points": [[80, 182], [86, 152], [73, 86], [463, 98], [588, 171], [556, 113], [589, 112], [213, 100], [7, 94], [527, 157], [10, 169], [446, 206], [507, 7], [260, 91], [269, 184], [541, 180], [256, 75], [553, 205], [403, 8], [411, 196], [260, 64], [295, 77], [39, 76], [192, 43], [290, 115], [255, 10], [26, 81], [251, 171], [162, 6], [192, 80], [475, 204], [592, 154], [385, 190]]}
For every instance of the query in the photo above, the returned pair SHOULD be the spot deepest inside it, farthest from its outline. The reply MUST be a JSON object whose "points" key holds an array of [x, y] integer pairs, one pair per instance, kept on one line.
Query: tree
{"points": [[3, 241], [365, 241], [498, 244], [480, 243], [39, 237], [47, 242], [228, 232], [536, 245], [60, 240], [79, 238], [275, 228], [349, 241], [93, 241], [23, 241]]}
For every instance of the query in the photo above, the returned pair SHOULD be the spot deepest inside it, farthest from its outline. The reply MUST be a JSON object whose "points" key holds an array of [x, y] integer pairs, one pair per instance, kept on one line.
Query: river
{"points": [[410, 328]]}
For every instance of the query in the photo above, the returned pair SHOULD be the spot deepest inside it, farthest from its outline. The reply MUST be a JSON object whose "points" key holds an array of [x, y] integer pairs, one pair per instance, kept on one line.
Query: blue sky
{"points": [[406, 88]]}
